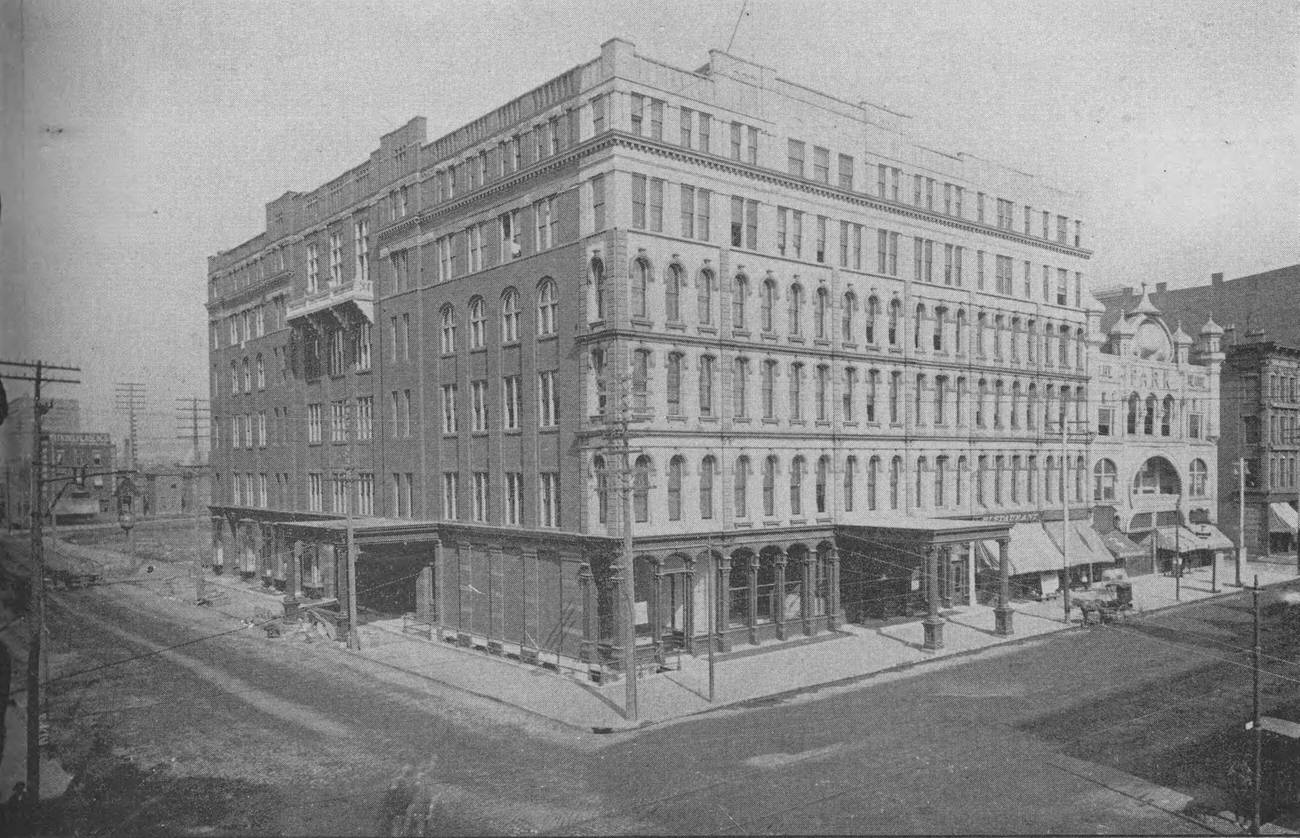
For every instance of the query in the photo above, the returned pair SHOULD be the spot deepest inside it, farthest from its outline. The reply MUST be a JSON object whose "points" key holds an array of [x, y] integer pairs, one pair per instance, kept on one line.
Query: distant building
{"points": [[67, 453], [1155, 467], [174, 490]]}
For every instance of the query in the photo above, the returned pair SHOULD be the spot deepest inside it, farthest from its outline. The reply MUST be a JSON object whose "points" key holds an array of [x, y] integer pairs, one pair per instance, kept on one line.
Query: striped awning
{"points": [[1282, 518]]}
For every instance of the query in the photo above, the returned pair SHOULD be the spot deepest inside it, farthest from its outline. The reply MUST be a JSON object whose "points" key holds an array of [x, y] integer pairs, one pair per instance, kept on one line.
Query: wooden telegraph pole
{"points": [[36, 612]]}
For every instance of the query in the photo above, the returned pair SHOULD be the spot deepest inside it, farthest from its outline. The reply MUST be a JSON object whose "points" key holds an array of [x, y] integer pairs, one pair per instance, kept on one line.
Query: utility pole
{"points": [[1259, 732], [354, 636], [36, 614], [191, 412], [618, 439], [1086, 438], [130, 397]]}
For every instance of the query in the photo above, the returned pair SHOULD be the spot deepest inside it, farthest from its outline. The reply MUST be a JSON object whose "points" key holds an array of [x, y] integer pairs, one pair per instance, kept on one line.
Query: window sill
{"points": [[795, 339], [823, 423], [853, 347], [798, 522], [510, 343], [798, 422], [675, 417], [707, 330], [741, 420], [850, 424], [769, 337], [547, 336], [743, 525], [675, 325], [821, 342], [708, 419], [642, 321], [740, 333], [771, 523], [771, 420]]}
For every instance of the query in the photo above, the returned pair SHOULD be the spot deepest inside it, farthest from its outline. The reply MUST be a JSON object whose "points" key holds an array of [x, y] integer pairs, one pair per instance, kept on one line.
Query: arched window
{"points": [[1031, 341], [1132, 424], [448, 329], [1015, 405], [1080, 469], [707, 467], [823, 475], [510, 316], [872, 316], [675, 467], [261, 373], [640, 288], [641, 489], [850, 475], [769, 486], [922, 470], [850, 303], [1031, 478], [796, 308], [873, 478], [738, 302], [895, 481], [916, 327], [1199, 475], [1149, 418], [673, 294], [1031, 406], [1167, 416], [796, 486], [1079, 348], [940, 315], [546, 307], [477, 323], [822, 314], [895, 320], [940, 479], [1049, 479], [704, 297], [961, 331], [248, 377], [768, 304], [1063, 347], [740, 487], [234, 377], [602, 488], [1015, 478], [959, 490], [597, 282]]}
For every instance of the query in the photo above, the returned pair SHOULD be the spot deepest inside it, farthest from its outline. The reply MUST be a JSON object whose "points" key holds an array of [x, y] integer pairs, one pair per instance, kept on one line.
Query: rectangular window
{"points": [[315, 493], [736, 139], [514, 512], [674, 381], [751, 148], [598, 105], [705, 121], [478, 404], [846, 172], [548, 507], [314, 424], [449, 421], [544, 219], [450, 491], [751, 225], [688, 212], [511, 236], [548, 403], [313, 276], [702, 220], [598, 202], [737, 222], [686, 123], [740, 389], [361, 247], [336, 259], [639, 189], [821, 238], [481, 496], [796, 392], [510, 402], [821, 165], [657, 205], [637, 114]]}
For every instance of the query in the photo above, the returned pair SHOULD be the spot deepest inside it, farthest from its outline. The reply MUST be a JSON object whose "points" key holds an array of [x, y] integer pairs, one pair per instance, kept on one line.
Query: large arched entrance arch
{"points": [[1157, 476]]}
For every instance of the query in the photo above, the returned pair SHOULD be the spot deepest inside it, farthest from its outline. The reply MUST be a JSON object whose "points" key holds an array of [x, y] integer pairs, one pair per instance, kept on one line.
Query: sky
{"points": [[141, 137]]}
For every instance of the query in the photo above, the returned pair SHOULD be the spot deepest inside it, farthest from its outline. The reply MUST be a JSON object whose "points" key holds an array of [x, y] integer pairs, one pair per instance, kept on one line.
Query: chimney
{"points": [[1216, 278], [1161, 287]]}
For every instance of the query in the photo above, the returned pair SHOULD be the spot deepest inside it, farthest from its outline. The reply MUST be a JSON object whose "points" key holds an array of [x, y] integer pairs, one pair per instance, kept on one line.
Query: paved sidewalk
{"points": [[852, 654], [821, 663]]}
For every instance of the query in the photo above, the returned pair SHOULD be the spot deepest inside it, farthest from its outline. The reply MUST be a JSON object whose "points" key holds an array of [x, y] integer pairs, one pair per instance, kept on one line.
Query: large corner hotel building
{"points": [[844, 356]]}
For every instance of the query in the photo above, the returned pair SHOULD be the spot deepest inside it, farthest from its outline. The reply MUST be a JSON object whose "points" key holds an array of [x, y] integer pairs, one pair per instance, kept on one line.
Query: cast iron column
{"points": [[834, 609], [752, 595], [933, 623], [722, 598], [1003, 611], [585, 585], [778, 596]]}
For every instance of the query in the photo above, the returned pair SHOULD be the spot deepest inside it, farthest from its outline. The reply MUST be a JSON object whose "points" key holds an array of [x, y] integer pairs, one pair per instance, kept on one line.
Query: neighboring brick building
{"points": [[1156, 468], [1261, 425], [826, 338]]}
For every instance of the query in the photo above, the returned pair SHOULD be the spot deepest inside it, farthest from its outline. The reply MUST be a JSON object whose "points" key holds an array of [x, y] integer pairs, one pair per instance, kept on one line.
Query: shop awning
{"points": [[1032, 551], [1216, 540], [1121, 547], [1084, 545], [1179, 540], [1282, 518]]}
